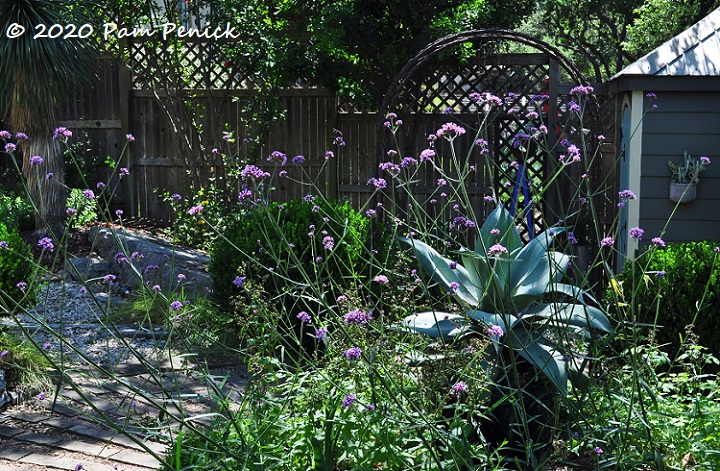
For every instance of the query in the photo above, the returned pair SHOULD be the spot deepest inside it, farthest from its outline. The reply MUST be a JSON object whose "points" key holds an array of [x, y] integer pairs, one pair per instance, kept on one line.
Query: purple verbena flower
{"points": [[304, 317], [176, 305], [298, 160], [321, 333], [238, 281], [348, 401], [497, 249], [36, 160], [254, 172], [381, 279], [450, 131], [278, 157], [357, 317], [46, 243], [195, 210], [495, 331], [458, 388], [427, 154], [658, 241], [636, 233], [378, 183], [408, 162], [607, 242], [353, 353]]}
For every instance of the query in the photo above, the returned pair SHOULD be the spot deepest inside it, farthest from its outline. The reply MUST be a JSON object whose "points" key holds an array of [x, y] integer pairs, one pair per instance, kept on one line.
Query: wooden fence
{"points": [[123, 103]]}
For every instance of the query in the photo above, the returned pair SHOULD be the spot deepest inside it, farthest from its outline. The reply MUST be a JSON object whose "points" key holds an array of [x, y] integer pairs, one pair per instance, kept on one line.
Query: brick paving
{"points": [[70, 435]]}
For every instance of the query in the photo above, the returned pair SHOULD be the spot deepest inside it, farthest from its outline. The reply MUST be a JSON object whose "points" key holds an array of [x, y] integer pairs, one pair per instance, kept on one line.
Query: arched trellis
{"points": [[427, 83]]}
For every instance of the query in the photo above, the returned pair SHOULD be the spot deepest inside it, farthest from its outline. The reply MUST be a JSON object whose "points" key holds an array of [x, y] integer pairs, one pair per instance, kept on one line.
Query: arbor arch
{"points": [[440, 79]]}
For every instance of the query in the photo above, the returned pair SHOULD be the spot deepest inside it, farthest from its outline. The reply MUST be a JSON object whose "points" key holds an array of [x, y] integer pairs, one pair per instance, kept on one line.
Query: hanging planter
{"points": [[683, 182], [683, 192]]}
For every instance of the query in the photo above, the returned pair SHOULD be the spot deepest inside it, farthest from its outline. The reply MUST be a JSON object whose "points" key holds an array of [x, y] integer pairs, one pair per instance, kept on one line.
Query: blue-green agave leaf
{"points": [[438, 267], [560, 264], [544, 357], [579, 315], [509, 236], [506, 321], [437, 325]]}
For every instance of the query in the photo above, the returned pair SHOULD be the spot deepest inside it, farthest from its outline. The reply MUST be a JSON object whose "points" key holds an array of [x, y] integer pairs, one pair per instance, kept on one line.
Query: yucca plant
{"points": [[506, 284], [36, 76]]}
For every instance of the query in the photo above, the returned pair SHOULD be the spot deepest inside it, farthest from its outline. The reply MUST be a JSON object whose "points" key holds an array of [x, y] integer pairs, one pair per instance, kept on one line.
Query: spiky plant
{"points": [[36, 76]]}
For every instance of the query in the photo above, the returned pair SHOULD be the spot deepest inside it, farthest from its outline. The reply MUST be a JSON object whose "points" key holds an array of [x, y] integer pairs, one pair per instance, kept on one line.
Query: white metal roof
{"points": [[695, 51]]}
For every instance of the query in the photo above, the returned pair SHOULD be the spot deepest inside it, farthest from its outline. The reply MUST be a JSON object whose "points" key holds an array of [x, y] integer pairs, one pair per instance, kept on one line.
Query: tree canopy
{"points": [[603, 36]]}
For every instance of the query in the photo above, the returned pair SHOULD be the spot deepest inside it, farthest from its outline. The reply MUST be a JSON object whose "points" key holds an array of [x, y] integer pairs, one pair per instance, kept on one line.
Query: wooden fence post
{"points": [[125, 80]]}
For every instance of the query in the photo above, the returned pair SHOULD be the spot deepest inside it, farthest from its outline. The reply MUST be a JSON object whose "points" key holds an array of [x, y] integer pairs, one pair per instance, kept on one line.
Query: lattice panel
{"points": [[523, 86], [189, 65], [448, 87], [520, 169]]}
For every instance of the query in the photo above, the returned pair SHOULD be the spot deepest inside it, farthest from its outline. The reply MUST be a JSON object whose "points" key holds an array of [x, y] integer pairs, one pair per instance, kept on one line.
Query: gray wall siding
{"points": [[683, 121]]}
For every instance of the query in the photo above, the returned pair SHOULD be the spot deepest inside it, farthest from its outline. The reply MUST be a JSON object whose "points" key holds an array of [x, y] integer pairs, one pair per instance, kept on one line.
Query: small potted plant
{"points": [[683, 182]]}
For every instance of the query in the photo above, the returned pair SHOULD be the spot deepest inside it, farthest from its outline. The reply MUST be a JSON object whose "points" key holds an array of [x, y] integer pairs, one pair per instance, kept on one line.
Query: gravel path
{"points": [[81, 317]]}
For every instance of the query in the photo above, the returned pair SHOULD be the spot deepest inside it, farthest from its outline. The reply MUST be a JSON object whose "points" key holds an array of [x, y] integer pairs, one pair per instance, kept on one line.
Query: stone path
{"points": [[127, 405]]}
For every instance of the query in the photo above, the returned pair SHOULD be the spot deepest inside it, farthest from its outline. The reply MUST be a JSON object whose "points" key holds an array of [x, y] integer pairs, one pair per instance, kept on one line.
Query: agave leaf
{"points": [[437, 325], [438, 267], [509, 236], [544, 357], [560, 264], [506, 321], [479, 270], [571, 290], [578, 315]]}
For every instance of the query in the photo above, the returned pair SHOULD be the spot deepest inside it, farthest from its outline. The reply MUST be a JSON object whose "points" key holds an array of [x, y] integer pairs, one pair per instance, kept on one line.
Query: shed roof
{"points": [[694, 52]]}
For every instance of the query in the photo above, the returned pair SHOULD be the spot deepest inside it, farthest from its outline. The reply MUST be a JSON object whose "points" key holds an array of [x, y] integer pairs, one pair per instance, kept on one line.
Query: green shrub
{"points": [[86, 208], [276, 239], [15, 267], [81, 163], [680, 284], [16, 211]]}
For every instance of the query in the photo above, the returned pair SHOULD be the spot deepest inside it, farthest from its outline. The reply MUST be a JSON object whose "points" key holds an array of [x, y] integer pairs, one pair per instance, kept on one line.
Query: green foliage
{"points": [[81, 163], [656, 21], [288, 238], [199, 233], [341, 414], [24, 365], [656, 410], [603, 36], [16, 266], [687, 292], [16, 211], [86, 208]]}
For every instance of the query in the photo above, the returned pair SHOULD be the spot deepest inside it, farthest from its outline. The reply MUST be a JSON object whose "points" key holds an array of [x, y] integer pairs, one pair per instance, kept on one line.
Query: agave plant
{"points": [[514, 286]]}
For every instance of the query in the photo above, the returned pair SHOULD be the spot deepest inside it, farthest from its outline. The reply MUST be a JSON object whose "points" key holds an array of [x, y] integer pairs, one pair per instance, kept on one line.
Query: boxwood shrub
{"points": [[16, 211], [16, 266], [288, 239], [681, 280]]}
